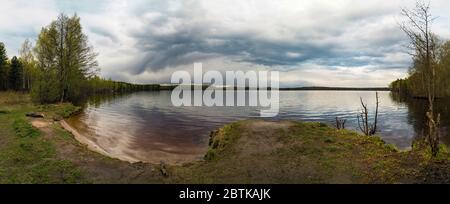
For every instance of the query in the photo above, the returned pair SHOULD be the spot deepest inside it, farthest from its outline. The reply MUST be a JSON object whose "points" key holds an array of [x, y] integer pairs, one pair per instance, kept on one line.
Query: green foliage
{"points": [[65, 57], [99, 85], [415, 84], [29, 65], [45, 88], [63, 110]]}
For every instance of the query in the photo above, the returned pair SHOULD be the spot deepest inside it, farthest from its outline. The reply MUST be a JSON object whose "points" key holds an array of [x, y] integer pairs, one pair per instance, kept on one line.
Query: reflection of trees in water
{"points": [[97, 99], [417, 109]]}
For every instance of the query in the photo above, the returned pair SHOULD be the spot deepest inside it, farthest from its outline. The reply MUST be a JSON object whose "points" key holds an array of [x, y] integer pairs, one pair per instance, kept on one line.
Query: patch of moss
{"points": [[221, 139]]}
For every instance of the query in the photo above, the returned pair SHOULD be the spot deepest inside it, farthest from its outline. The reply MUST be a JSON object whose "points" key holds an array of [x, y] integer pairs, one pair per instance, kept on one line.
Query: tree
{"points": [[63, 52], [45, 89], [3, 68], [28, 64], [15, 74], [424, 48], [444, 69]]}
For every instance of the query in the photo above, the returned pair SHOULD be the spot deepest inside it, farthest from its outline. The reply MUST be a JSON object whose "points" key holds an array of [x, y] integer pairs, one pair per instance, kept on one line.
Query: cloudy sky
{"points": [[314, 42]]}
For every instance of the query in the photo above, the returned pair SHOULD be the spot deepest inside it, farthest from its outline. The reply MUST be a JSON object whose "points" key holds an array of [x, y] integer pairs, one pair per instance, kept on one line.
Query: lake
{"points": [[144, 126]]}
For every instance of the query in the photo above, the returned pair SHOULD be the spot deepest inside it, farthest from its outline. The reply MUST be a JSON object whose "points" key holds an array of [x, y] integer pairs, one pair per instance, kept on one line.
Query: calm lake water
{"points": [[144, 126]]}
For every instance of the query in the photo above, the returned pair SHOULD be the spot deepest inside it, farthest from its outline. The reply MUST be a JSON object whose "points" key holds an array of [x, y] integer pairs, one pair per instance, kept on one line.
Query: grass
{"points": [[308, 153], [24, 129], [13, 98], [26, 156], [62, 110]]}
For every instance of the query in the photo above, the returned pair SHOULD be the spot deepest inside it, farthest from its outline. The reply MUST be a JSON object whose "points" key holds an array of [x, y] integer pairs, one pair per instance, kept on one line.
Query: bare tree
{"points": [[363, 119], [423, 47]]}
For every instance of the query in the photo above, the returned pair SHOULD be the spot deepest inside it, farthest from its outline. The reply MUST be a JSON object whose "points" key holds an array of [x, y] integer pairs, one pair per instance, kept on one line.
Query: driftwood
{"points": [[363, 119], [4, 112], [35, 115], [340, 123]]}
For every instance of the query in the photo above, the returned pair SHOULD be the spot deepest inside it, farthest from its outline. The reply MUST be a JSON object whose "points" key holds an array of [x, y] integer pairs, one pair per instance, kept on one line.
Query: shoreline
{"points": [[92, 146], [153, 157]]}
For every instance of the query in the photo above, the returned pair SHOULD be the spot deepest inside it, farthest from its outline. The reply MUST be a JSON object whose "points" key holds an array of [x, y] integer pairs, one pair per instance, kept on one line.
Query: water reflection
{"points": [[145, 126], [417, 109]]}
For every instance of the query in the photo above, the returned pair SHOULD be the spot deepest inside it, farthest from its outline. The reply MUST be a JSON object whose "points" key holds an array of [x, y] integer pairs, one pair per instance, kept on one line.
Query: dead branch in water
{"points": [[340, 123], [363, 119]]}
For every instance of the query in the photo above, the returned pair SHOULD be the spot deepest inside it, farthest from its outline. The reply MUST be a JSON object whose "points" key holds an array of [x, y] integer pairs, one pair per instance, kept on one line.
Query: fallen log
{"points": [[34, 115]]}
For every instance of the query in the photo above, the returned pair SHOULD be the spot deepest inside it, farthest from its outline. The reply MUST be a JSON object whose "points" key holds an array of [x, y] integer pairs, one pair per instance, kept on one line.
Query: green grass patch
{"points": [[24, 129], [221, 140], [63, 110], [26, 156]]}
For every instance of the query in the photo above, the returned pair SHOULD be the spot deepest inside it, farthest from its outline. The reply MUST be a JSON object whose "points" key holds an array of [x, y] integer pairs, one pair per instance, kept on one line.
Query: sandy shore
{"points": [[91, 145], [124, 153]]}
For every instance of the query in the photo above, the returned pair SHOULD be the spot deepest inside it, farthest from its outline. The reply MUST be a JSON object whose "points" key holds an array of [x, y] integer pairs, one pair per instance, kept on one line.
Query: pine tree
{"points": [[3, 68], [15, 74]]}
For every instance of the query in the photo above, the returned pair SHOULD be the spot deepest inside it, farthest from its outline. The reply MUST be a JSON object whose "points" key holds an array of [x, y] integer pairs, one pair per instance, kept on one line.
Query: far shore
{"points": [[306, 88]]}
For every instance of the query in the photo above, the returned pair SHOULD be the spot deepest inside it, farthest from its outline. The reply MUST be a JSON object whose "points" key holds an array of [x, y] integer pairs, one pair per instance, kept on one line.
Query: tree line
{"points": [[61, 66], [415, 85]]}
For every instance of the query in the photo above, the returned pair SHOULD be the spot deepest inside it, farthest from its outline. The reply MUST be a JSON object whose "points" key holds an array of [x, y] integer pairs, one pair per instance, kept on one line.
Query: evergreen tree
{"points": [[15, 74], [3, 68]]}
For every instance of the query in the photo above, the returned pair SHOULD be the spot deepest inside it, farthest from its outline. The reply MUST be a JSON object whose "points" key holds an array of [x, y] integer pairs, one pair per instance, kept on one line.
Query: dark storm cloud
{"points": [[185, 47], [192, 37]]}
